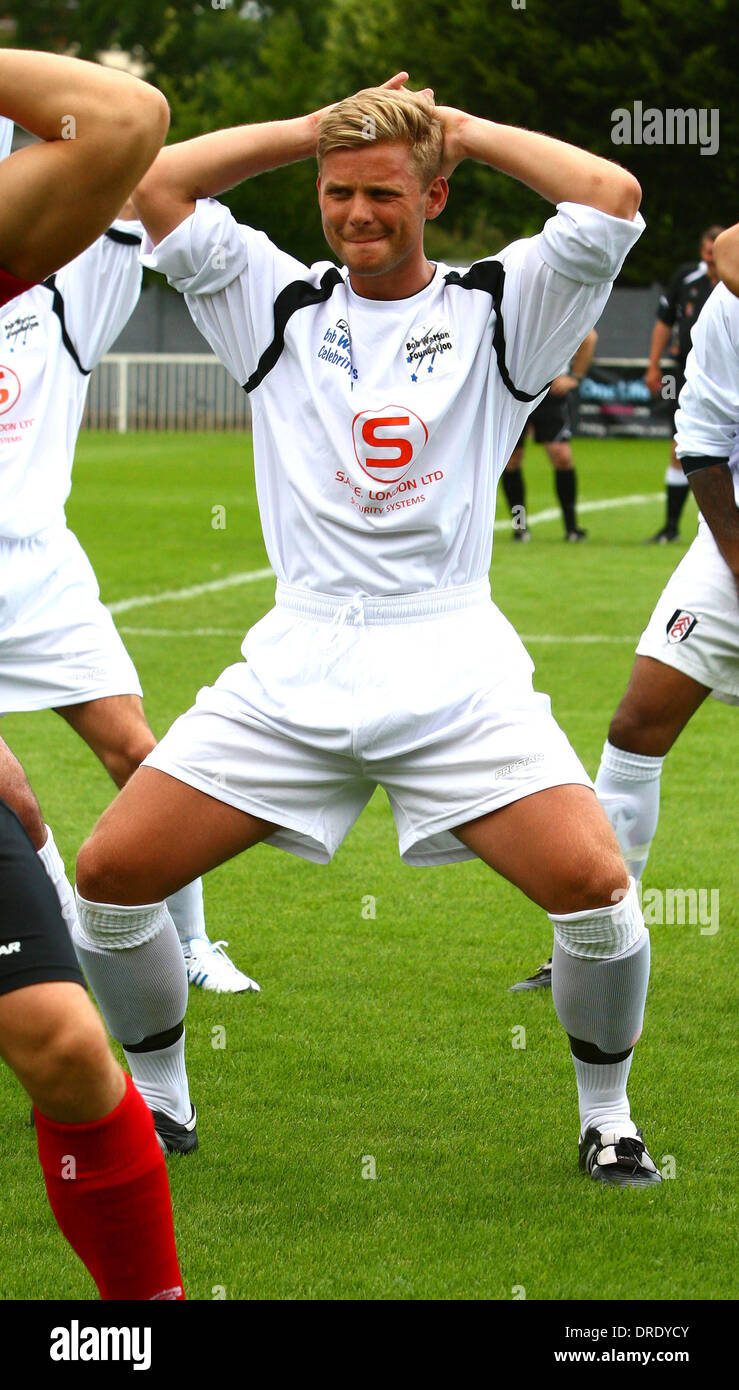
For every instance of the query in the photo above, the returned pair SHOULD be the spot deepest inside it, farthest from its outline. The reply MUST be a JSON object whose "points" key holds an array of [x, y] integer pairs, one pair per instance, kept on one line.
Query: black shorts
{"points": [[34, 941], [551, 420]]}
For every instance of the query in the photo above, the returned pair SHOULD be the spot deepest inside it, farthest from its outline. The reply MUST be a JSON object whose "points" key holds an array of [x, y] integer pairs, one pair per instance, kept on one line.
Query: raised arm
{"points": [[555, 170], [100, 129], [726, 256], [210, 164]]}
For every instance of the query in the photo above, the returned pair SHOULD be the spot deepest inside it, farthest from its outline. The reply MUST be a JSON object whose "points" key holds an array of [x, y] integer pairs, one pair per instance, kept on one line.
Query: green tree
{"points": [[564, 69]]}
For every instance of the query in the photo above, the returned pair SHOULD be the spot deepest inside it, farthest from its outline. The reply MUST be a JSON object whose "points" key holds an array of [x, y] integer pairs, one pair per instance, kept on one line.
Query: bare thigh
{"points": [[555, 845], [158, 835]]}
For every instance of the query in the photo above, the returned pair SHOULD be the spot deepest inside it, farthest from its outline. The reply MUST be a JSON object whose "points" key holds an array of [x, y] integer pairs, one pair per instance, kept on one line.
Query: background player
{"points": [[677, 311], [690, 647], [552, 426], [91, 1124], [59, 647], [392, 601]]}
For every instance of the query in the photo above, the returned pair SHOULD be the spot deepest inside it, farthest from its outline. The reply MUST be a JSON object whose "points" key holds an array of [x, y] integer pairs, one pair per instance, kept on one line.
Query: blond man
{"points": [[387, 396]]}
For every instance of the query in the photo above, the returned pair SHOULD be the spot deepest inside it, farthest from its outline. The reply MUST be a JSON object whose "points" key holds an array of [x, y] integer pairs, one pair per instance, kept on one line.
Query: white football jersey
{"points": [[7, 130], [707, 418], [50, 339], [381, 427]]}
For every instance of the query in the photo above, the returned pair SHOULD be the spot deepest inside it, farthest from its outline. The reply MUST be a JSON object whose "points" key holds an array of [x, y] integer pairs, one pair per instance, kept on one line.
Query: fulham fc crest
{"points": [[681, 625]]}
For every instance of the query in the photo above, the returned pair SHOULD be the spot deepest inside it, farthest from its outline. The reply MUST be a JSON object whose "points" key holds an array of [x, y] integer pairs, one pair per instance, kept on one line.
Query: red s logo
{"points": [[10, 389], [386, 441]]}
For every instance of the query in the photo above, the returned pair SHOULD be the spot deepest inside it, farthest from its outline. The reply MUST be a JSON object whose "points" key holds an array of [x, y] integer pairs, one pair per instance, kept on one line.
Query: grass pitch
{"points": [[369, 1130]]}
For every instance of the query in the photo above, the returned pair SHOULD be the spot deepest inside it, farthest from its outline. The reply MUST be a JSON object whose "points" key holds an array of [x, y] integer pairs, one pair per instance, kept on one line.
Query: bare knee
{"points": [[70, 1052], [561, 456], [104, 875], [596, 880], [96, 875], [624, 726], [637, 728], [58, 1049]]}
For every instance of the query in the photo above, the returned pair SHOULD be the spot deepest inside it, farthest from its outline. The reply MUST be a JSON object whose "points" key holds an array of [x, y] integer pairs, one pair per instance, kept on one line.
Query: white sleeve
{"points": [[707, 418], [556, 287], [230, 276], [6, 136], [100, 290]]}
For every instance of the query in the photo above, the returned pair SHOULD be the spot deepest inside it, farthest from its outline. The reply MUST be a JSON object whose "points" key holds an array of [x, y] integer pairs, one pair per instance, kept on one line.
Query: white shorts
{"points": [[58, 642], [428, 695], [695, 625]]}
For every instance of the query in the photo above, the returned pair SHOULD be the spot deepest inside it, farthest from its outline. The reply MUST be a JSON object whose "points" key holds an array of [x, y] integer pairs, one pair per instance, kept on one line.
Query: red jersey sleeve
{"points": [[11, 286]]}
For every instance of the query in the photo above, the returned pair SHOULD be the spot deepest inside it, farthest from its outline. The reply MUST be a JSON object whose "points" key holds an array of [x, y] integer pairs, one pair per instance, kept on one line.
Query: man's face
{"points": [[706, 253], [373, 207]]}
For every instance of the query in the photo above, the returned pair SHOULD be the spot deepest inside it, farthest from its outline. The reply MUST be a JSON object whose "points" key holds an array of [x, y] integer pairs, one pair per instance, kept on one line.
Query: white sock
{"points": [[54, 866], [601, 1092], [627, 786], [187, 912], [162, 1079], [133, 962]]}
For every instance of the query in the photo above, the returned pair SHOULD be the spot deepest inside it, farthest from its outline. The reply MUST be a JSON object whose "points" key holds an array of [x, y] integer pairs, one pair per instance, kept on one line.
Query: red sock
{"points": [[108, 1189]]}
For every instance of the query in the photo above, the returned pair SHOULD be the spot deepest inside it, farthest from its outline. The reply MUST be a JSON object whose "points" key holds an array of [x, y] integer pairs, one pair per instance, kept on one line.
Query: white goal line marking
{"points": [[232, 581]]}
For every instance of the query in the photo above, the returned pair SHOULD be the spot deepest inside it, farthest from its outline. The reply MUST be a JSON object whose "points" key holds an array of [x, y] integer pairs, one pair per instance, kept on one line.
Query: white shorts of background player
{"points": [[702, 588], [58, 643]]}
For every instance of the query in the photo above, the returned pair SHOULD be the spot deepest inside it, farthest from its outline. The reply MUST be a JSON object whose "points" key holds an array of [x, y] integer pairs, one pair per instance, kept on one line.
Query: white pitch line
{"points": [[213, 586], [232, 581], [238, 632], [182, 631], [606, 504]]}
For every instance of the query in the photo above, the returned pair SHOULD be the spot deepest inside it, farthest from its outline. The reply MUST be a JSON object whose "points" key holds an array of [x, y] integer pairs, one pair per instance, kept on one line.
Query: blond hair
{"points": [[381, 115]]}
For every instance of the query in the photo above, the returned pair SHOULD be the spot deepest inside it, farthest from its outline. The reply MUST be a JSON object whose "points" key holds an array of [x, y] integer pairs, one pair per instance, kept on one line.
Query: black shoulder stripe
{"points": [[298, 295], [490, 277], [123, 238], [58, 308]]}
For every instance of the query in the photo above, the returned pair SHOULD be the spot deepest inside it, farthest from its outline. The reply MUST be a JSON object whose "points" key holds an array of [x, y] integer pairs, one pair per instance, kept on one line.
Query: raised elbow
{"points": [[628, 196], [148, 118]]}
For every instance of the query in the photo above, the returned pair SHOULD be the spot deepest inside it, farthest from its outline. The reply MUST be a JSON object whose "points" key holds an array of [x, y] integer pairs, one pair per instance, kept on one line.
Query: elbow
{"points": [[627, 196], [134, 133], [148, 119]]}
